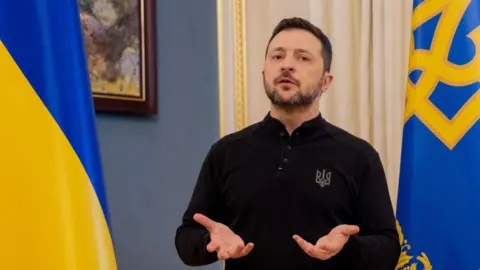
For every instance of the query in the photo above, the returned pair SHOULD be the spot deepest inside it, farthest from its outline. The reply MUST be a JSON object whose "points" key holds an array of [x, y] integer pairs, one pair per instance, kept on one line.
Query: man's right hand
{"points": [[222, 240]]}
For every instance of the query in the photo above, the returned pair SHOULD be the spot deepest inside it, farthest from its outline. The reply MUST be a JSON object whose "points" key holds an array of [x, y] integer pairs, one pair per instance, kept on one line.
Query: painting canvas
{"points": [[119, 38]]}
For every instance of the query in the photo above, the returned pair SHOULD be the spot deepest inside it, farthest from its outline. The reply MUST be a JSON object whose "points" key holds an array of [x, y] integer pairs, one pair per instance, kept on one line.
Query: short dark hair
{"points": [[299, 23]]}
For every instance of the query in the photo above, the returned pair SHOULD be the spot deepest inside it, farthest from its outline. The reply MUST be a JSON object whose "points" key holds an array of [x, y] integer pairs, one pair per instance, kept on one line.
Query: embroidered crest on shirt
{"points": [[323, 178]]}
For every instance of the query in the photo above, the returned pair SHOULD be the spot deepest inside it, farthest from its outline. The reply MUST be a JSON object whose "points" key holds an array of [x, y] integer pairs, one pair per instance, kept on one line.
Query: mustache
{"points": [[286, 76]]}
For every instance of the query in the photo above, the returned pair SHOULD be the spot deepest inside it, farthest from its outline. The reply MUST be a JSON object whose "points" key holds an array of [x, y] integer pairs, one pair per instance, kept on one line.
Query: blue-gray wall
{"points": [[151, 165]]}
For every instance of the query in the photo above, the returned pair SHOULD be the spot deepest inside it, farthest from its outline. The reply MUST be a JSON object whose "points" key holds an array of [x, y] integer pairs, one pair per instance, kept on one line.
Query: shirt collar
{"points": [[272, 125]]}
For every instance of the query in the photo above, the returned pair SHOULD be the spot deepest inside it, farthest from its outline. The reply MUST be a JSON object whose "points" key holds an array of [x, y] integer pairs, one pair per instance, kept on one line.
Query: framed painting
{"points": [[120, 42]]}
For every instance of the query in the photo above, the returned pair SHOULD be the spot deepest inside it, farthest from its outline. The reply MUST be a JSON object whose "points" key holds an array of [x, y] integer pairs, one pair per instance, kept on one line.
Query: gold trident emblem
{"points": [[405, 261], [436, 68]]}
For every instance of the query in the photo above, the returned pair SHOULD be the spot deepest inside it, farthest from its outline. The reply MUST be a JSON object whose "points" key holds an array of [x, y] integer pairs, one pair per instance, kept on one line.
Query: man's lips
{"points": [[286, 80]]}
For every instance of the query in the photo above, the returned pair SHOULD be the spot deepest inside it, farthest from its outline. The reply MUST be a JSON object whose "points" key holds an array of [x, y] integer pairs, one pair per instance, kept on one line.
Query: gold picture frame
{"points": [[120, 43]]}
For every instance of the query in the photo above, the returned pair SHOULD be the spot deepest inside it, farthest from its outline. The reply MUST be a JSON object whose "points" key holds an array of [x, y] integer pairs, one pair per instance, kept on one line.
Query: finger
{"points": [[212, 246], [234, 251], [348, 230], [222, 255], [327, 247], [246, 249], [204, 221], [322, 254], [306, 246], [331, 244]]}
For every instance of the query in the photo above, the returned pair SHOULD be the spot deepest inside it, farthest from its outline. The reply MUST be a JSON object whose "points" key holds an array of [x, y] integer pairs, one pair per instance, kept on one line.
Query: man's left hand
{"points": [[330, 244]]}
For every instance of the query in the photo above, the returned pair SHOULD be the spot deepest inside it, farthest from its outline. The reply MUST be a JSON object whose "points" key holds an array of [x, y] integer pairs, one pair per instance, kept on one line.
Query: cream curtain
{"points": [[370, 41]]}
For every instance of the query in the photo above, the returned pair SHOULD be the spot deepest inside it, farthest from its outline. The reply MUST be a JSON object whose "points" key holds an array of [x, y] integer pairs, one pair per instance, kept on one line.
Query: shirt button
{"points": [[282, 133], [289, 147], [285, 160]]}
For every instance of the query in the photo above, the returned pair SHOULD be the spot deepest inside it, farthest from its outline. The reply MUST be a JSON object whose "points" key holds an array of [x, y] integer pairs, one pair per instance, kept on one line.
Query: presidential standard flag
{"points": [[52, 202], [439, 194]]}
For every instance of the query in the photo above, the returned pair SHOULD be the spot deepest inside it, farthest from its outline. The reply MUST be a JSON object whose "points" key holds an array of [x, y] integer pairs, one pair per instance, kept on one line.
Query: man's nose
{"points": [[288, 64], [288, 68]]}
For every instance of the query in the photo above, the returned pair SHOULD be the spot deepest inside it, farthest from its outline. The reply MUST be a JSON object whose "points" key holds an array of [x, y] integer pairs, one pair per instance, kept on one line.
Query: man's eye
{"points": [[277, 57], [304, 58]]}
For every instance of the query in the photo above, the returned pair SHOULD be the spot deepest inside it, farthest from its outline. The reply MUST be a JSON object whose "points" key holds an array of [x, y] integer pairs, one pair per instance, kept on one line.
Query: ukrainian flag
{"points": [[52, 202], [439, 192]]}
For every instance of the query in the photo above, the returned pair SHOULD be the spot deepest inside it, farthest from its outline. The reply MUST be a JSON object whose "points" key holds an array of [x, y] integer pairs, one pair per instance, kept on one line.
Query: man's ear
{"points": [[327, 79]]}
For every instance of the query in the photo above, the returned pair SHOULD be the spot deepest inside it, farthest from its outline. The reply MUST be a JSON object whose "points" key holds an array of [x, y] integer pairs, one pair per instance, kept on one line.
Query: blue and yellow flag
{"points": [[52, 203], [439, 194]]}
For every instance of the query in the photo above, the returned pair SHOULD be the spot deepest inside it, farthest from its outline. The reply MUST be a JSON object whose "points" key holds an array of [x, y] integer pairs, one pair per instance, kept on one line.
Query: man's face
{"points": [[293, 73]]}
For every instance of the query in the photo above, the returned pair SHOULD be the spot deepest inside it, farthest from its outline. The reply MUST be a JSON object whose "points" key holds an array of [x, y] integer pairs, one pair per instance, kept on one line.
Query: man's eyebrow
{"points": [[278, 49], [302, 51], [282, 49]]}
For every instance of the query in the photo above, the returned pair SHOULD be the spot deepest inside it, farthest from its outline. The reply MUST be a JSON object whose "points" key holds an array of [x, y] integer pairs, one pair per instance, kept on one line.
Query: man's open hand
{"points": [[330, 244], [223, 240]]}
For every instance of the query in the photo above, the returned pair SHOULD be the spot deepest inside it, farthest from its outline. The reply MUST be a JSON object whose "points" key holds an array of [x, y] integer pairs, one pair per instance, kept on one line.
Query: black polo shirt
{"points": [[268, 185]]}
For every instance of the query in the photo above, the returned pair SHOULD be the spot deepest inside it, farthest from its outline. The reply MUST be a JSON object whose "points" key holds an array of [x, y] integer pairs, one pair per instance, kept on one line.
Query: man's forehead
{"points": [[295, 39]]}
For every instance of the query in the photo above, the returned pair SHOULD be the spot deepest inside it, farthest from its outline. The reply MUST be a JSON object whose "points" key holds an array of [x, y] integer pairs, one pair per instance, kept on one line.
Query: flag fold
{"points": [[438, 208], [52, 197]]}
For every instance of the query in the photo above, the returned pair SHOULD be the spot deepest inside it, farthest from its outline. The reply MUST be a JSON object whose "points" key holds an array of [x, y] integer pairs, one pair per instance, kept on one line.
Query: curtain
{"points": [[370, 40]]}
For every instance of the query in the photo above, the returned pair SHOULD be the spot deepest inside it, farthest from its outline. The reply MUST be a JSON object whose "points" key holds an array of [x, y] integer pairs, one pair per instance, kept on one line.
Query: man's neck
{"points": [[293, 118]]}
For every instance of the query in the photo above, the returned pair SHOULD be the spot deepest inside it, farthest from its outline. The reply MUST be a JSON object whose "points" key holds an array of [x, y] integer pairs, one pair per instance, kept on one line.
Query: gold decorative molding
{"points": [[221, 68], [232, 30], [240, 65]]}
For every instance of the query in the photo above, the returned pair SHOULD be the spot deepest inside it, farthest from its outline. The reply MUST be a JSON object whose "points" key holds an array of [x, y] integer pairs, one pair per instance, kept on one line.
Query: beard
{"points": [[298, 100]]}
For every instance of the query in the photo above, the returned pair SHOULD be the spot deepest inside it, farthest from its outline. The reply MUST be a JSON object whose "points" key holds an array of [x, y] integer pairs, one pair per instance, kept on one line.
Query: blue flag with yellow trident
{"points": [[439, 191], [52, 202]]}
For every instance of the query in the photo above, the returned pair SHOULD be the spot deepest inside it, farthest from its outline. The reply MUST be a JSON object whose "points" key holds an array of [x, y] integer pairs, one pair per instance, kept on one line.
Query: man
{"points": [[293, 191]]}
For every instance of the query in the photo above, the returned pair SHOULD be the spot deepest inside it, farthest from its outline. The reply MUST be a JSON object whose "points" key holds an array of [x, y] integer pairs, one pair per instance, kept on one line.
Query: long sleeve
{"points": [[377, 246], [192, 238]]}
